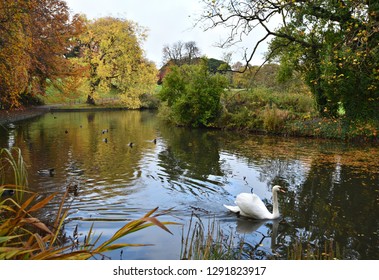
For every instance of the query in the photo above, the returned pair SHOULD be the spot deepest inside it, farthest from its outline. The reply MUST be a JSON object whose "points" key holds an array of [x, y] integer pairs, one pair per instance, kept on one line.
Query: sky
{"points": [[167, 21]]}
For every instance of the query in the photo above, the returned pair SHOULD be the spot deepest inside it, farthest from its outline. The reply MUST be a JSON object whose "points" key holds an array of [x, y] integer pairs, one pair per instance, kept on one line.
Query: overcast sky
{"points": [[168, 21]]}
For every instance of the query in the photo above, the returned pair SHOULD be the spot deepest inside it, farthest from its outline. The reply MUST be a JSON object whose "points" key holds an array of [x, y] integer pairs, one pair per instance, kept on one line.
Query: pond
{"points": [[332, 189]]}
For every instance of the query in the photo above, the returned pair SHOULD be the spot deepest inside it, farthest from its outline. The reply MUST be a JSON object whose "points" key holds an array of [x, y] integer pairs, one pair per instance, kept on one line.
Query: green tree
{"points": [[193, 94], [112, 50], [334, 43], [216, 65]]}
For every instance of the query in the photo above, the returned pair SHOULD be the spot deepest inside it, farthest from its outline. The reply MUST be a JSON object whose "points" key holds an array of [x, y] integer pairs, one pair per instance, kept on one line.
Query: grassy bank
{"points": [[287, 113], [283, 111], [263, 109], [103, 99]]}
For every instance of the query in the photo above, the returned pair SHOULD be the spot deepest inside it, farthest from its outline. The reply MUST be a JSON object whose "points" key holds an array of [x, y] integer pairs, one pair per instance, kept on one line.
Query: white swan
{"points": [[250, 205]]}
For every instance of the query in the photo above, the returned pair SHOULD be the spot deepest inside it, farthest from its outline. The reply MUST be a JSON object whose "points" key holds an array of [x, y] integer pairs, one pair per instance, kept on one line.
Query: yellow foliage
{"points": [[116, 59]]}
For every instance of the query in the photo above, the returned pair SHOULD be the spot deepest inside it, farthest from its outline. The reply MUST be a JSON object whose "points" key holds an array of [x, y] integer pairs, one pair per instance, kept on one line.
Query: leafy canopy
{"points": [[34, 38], [333, 43], [112, 50], [193, 94]]}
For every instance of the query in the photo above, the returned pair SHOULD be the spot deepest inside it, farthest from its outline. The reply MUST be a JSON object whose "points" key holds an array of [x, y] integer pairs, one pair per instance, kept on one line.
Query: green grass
{"points": [[262, 109], [104, 99], [288, 113], [54, 95]]}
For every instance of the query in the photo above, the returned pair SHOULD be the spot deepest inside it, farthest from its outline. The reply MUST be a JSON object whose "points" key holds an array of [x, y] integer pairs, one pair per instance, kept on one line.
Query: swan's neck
{"points": [[275, 205]]}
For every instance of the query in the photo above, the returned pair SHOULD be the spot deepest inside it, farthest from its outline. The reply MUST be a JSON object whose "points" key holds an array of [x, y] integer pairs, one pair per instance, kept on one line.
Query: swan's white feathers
{"points": [[250, 205], [234, 209]]}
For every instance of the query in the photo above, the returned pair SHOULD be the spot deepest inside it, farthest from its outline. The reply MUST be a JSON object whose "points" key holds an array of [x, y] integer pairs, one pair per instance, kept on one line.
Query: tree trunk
{"points": [[90, 100]]}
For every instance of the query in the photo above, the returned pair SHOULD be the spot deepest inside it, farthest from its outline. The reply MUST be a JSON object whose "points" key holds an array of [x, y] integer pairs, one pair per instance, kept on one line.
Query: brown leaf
{"points": [[156, 222], [42, 203], [37, 223]]}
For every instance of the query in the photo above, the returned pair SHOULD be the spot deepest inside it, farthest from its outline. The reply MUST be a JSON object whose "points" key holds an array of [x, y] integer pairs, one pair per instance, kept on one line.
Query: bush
{"points": [[193, 94], [274, 119], [264, 109]]}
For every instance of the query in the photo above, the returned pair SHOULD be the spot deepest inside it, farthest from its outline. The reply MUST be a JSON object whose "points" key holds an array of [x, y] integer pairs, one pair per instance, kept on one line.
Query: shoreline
{"points": [[10, 116], [58, 109]]}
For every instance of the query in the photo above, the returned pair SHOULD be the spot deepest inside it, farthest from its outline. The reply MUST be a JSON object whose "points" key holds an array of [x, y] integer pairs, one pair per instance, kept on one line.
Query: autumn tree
{"points": [[334, 44], [35, 36], [112, 49], [14, 58]]}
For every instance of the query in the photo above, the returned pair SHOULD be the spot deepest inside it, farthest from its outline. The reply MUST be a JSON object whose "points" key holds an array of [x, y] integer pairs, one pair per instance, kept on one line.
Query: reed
{"points": [[327, 250], [13, 171], [274, 119], [208, 242], [24, 237]]}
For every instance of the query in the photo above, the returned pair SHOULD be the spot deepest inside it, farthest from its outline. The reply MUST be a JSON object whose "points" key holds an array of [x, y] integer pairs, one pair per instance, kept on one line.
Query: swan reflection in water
{"points": [[247, 227]]}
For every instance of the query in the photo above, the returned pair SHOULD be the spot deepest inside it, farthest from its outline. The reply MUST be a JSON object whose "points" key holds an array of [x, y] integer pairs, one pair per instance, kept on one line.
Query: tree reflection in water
{"points": [[332, 188]]}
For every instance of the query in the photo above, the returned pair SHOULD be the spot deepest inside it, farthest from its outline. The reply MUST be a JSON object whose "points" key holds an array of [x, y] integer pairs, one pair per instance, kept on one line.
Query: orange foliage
{"points": [[35, 35]]}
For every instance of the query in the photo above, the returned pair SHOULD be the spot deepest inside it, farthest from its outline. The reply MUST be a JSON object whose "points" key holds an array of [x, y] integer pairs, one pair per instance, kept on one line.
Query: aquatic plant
{"points": [[25, 237], [327, 250], [208, 242], [273, 118], [12, 163], [13, 170]]}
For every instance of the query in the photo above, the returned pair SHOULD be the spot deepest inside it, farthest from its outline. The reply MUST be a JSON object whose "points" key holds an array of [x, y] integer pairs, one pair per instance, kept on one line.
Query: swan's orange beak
{"points": [[282, 190]]}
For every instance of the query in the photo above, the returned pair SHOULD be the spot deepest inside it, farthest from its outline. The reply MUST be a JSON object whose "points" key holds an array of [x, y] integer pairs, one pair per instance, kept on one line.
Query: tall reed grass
{"points": [[328, 250], [25, 237], [208, 242], [13, 172], [264, 109]]}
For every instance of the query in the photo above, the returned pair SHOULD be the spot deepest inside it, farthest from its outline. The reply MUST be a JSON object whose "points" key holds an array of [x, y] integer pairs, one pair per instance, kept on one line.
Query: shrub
{"points": [[264, 109], [274, 119], [193, 94], [149, 101]]}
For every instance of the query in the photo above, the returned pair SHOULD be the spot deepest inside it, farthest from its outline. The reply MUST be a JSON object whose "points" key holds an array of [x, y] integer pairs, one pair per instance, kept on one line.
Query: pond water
{"points": [[332, 188]]}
